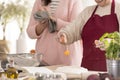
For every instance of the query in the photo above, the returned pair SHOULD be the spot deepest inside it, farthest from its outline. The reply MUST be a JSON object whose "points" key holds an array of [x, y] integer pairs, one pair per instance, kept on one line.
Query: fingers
{"points": [[62, 38], [43, 21], [99, 44]]}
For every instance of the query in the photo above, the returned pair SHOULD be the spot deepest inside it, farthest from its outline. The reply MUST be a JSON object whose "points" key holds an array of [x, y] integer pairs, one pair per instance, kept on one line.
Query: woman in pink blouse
{"points": [[62, 12]]}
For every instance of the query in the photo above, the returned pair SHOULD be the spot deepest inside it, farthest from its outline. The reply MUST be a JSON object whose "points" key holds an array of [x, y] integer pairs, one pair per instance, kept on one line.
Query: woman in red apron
{"points": [[93, 58], [92, 28]]}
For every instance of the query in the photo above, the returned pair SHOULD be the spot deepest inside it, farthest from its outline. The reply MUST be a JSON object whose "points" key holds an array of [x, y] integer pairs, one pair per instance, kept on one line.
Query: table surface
{"points": [[82, 76]]}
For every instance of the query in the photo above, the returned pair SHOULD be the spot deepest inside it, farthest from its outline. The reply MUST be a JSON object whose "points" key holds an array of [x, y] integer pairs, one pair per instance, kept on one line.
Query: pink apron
{"points": [[96, 26]]}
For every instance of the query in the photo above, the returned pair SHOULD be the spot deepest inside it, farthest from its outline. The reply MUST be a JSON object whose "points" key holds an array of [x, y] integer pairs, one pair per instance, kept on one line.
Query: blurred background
{"points": [[14, 18]]}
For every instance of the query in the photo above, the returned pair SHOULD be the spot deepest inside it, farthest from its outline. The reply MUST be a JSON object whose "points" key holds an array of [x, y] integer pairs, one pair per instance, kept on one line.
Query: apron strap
{"points": [[113, 7], [94, 10]]}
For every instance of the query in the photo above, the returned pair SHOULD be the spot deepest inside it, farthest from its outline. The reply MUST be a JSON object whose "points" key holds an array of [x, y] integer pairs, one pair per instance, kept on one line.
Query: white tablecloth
{"points": [[52, 69]]}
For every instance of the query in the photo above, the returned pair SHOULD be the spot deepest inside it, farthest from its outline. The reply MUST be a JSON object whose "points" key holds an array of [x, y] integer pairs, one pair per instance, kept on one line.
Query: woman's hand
{"points": [[62, 38], [53, 18], [100, 45], [41, 26]]}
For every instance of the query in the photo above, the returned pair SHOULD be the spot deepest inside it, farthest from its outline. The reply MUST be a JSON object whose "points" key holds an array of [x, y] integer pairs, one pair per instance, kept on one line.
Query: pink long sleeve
{"points": [[72, 8], [32, 23]]}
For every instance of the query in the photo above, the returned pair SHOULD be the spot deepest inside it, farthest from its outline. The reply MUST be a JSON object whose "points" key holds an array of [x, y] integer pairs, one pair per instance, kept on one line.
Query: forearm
{"points": [[73, 30], [41, 27], [31, 32], [71, 33]]}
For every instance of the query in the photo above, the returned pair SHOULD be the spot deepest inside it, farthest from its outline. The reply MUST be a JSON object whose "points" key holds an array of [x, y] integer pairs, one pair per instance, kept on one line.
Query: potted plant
{"points": [[110, 43], [13, 11]]}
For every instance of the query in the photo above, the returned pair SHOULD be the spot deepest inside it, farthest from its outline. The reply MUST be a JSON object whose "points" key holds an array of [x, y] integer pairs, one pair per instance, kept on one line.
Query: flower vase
{"points": [[21, 45]]}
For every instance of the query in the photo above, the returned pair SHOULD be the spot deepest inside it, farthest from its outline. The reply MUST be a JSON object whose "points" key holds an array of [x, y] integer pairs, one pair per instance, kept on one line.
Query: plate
{"points": [[24, 59]]}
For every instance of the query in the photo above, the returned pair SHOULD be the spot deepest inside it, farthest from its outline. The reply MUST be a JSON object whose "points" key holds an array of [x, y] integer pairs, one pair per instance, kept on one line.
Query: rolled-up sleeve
{"points": [[74, 29]]}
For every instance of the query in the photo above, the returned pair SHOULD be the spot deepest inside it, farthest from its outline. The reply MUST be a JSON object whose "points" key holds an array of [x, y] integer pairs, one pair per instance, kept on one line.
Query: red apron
{"points": [[96, 26]]}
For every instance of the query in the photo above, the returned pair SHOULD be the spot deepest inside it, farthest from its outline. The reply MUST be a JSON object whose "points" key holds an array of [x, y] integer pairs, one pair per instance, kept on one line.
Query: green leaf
{"points": [[112, 44]]}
